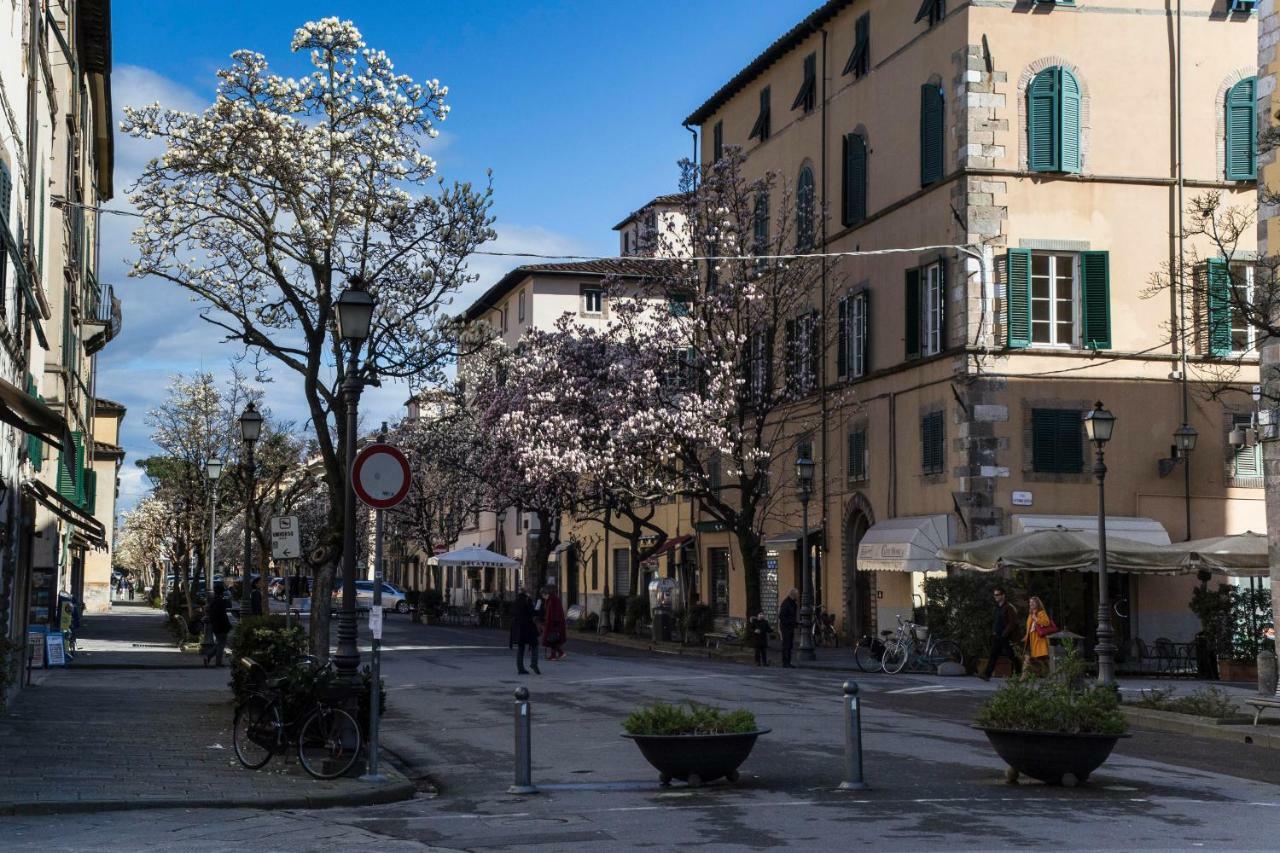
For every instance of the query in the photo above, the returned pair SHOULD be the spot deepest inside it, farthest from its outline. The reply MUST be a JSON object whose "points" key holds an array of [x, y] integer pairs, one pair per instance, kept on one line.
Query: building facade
{"points": [[1029, 154]]}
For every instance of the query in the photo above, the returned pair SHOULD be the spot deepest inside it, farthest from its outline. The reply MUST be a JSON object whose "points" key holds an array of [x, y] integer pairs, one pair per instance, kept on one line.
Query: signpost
{"points": [[286, 544], [381, 479]]}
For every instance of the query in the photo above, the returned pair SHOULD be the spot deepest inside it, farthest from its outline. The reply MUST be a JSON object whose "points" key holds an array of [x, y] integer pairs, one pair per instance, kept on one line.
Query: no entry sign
{"points": [[381, 476]]}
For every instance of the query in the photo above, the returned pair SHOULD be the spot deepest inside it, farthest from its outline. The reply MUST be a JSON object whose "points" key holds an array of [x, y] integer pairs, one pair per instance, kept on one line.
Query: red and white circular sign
{"points": [[381, 476]]}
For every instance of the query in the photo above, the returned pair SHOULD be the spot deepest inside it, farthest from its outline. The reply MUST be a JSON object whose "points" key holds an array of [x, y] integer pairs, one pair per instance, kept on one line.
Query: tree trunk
{"points": [[1270, 369], [321, 601], [753, 556]]}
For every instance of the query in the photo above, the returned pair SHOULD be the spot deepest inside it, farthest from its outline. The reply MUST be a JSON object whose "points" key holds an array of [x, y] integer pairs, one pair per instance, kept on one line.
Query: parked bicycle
{"points": [[869, 653], [328, 738], [914, 645], [824, 628]]}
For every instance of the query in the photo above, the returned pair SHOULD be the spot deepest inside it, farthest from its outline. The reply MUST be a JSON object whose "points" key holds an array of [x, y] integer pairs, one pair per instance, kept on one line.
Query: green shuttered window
{"points": [[1219, 332], [1095, 290], [806, 200], [1017, 299], [71, 471], [35, 447], [932, 444], [853, 203], [857, 450], [1053, 121], [1056, 441], [1242, 131], [1046, 296], [760, 130], [859, 62], [932, 112], [90, 490], [842, 338]]}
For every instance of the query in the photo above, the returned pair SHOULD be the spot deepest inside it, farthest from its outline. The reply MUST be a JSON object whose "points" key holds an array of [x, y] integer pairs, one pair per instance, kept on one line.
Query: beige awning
{"points": [[908, 544], [1060, 549], [1135, 529]]}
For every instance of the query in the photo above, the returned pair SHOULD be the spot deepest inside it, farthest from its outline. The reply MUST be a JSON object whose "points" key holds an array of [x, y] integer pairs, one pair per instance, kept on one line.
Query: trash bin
{"points": [[1058, 651]]}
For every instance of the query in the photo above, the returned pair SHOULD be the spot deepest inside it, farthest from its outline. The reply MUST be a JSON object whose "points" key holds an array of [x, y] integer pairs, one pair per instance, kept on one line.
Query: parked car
{"points": [[393, 598]]}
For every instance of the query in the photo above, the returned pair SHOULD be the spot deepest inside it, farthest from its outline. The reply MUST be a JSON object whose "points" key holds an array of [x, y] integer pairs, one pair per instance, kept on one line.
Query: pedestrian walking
{"points": [[553, 623], [218, 625], [524, 632], [787, 621], [255, 600], [1036, 639], [1004, 627], [128, 588], [759, 628]]}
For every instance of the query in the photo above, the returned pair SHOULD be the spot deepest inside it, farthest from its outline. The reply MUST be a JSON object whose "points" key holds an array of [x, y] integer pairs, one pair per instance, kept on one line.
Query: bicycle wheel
{"points": [[895, 656], [255, 731], [329, 743], [947, 651], [866, 658]]}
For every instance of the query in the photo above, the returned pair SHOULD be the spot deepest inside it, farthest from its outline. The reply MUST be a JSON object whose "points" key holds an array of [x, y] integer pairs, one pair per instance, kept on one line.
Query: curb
{"points": [[389, 792], [662, 649], [1167, 721]]}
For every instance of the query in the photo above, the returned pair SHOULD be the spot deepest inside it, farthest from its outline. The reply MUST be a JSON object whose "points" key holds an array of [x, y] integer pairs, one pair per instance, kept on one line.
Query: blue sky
{"points": [[575, 106]]}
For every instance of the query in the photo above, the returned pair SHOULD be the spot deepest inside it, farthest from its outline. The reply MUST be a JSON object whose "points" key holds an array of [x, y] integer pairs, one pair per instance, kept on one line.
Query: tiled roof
{"points": [[602, 268], [772, 54], [667, 200], [105, 405]]}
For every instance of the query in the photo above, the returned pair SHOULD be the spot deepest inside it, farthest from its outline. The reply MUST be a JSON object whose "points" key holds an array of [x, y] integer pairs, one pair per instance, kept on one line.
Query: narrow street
{"points": [[934, 781]]}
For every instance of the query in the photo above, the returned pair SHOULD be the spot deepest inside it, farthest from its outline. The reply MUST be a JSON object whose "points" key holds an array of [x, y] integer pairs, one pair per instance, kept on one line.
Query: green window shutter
{"points": [[1055, 441], [854, 198], [791, 372], [913, 313], [1242, 132], [90, 490], [6, 194], [1095, 287], [1069, 121], [932, 455], [35, 447], [717, 141], [1219, 307], [68, 468], [932, 112], [1042, 122], [859, 60], [78, 437], [857, 462], [1017, 298], [842, 338], [865, 344]]}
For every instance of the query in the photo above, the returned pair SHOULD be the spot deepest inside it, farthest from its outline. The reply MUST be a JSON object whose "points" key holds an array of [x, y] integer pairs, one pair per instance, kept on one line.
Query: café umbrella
{"points": [[1060, 549]]}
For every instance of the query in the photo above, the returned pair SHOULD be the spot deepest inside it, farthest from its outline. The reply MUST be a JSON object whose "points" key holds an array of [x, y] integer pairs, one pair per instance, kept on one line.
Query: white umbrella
{"points": [[473, 557]]}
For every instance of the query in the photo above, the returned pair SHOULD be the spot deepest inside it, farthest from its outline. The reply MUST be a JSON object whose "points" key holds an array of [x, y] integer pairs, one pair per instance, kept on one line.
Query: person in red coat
{"points": [[553, 624]]}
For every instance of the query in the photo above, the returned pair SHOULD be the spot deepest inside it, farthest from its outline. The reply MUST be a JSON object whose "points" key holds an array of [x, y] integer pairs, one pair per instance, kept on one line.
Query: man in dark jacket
{"points": [[219, 625], [787, 620], [524, 632], [1004, 628]]}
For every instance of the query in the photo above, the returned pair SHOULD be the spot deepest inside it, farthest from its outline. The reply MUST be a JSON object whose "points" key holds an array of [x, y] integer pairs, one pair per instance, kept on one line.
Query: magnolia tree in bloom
{"points": [[265, 205]]}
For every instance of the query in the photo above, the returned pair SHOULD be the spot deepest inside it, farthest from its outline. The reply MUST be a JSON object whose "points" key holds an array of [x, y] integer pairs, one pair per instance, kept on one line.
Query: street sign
{"points": [[286, 543], [380, 476], [375, 622]]}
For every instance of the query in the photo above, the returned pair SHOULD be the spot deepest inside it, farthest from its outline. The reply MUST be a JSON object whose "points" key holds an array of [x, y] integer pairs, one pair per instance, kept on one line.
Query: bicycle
{"points": [[869, 653], [824, 629], [903, 649], [328, 738]]}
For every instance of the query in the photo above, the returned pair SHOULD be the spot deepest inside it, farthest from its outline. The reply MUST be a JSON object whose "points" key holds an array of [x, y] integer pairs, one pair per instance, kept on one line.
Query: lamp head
{"points": [[354, 310], [1184, 438], [804, 471], [250, 423], [1099, 424], [213, 468]]}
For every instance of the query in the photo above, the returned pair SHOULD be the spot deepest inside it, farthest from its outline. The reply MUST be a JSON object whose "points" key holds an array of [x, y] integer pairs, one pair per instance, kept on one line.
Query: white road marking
{"points": [[927, 688]]}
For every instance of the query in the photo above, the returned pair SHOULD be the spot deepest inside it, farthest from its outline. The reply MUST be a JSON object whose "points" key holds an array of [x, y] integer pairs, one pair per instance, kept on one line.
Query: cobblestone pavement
{"points": [[84, 739]]}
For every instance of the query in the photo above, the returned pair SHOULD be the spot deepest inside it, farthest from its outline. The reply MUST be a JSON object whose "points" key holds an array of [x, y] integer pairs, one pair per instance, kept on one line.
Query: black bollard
{"points": [[524, 745], [852, 740]]}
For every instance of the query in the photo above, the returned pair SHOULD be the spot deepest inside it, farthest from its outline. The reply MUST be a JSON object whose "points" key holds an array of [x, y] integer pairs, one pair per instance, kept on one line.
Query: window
{"points": [[1241, 122], [857, 452], [759, 356], [717, 141], [1244, 463], [592, 300], [932, 133], [1246, 6], [679, 304], [6, 238], [807, 97], [504, 318], [760, 130], [1230, 300], [520, 307], [626, 242], [760, 228], [853, 197], [802, 353], [932, 444], [860, 59], [1057, 299], [926, 310], [804, 209], [934, 10], [851, 336], [1056, 443], [1053, 121], [595, 570], [715, 472]]}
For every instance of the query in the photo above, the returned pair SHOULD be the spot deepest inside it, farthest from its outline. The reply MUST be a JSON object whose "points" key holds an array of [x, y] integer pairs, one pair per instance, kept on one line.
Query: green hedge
{"points": [[268, 641]]}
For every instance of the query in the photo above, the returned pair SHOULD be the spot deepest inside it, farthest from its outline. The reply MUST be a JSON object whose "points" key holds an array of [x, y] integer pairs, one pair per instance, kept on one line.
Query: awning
{"points": [[908, 544], [670, 545], [1146, 530], [709, 526], [1059, 549], [791, 539], [473, 558], [26, 413], [67, 511]]}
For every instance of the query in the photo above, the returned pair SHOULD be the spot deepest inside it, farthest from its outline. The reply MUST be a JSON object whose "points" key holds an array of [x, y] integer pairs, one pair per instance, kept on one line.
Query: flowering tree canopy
{"points": [[266, 203]]}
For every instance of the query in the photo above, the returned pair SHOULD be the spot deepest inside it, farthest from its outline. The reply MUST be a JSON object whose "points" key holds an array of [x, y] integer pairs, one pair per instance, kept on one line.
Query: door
{"points": [[621, 571], [719, 560], [859, 594]]}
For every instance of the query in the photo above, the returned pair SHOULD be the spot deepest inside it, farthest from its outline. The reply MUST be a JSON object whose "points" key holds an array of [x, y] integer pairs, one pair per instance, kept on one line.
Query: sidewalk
{"points": [[132, 724]]}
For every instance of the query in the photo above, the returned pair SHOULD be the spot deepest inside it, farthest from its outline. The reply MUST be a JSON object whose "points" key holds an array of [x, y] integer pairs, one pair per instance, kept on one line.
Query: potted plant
{"points": [[1057, 729], [693, 743]]}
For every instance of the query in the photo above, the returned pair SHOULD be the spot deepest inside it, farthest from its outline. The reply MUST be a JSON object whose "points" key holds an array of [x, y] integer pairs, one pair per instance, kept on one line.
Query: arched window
{"points": [[1053, 121], [853, 201], [932, 139], [804, 209], [1242, 131]]}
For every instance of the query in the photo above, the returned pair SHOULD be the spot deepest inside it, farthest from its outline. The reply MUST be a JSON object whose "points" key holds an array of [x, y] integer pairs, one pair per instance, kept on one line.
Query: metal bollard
{"points": [[852, 740], [524, 745]]}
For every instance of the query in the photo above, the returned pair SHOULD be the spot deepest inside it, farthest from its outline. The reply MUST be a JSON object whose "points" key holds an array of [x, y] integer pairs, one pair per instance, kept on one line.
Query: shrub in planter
{"points": [[268, 641], [689, 718], [302, 683], [692, 742]]}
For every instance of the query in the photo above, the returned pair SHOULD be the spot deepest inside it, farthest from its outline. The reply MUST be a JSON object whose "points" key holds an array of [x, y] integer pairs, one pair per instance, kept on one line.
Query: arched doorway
{"points": [[859, 587]]}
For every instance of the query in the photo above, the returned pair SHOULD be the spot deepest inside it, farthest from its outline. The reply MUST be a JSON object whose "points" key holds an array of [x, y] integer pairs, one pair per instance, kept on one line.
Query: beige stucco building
{"points": [[1034, 147]]}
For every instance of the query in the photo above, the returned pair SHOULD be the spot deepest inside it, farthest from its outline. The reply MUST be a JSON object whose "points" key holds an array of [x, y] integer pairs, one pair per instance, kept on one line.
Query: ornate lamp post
{"points": [[213, 468], [804, 489], [1098, 426], [1184, 439], [354, 310], [250, 429]]}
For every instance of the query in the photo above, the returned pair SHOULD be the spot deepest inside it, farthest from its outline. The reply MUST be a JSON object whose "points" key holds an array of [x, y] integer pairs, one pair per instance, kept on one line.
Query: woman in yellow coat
{"points": [[1037, 646]]}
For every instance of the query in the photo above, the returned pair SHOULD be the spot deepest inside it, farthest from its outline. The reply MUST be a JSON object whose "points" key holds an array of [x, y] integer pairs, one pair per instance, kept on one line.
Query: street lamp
{"points": [[250, 429], [1184, 440], [1098, 426], [804, 489], [213, 468], [354, 310]]}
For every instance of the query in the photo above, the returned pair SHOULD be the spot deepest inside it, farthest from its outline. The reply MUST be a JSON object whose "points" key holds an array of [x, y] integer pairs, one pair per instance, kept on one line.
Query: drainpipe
{"points": [[1182, 274], [822, 384], [33, 76], [694, 159]]}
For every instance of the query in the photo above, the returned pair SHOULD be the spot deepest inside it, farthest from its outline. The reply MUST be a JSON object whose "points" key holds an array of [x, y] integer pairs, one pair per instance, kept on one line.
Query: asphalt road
{"points": [[935, 783]]}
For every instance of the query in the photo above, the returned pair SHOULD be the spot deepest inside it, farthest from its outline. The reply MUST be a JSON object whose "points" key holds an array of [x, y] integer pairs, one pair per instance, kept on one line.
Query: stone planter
{"points": [[1054, 758], [1234, 670], [696, 759]]}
